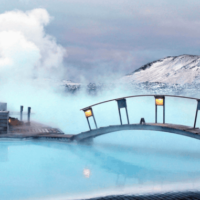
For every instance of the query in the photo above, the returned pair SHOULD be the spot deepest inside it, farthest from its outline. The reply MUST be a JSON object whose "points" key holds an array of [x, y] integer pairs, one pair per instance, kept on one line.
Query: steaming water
{"points": [[52, 170], [116, 163], [121, 162]]}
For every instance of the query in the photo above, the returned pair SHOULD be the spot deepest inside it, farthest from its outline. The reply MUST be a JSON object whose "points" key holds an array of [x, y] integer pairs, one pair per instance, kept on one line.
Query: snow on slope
{"points": [[171, 70]]}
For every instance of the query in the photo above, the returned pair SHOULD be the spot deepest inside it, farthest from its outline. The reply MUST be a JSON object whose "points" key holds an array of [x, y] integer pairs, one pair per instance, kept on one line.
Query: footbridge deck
{"points": [[170, 128]]}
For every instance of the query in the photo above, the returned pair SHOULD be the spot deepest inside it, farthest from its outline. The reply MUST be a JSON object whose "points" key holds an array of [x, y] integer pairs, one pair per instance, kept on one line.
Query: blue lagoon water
{"points": [[125, 162], [133, 162]]}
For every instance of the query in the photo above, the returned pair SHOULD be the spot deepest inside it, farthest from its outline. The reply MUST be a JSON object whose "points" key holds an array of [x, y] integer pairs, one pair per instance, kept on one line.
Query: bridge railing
{"points": [[121, 103]]}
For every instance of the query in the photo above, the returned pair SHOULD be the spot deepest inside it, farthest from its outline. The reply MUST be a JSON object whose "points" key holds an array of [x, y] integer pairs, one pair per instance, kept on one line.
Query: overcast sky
{"points": [[99, 38]]}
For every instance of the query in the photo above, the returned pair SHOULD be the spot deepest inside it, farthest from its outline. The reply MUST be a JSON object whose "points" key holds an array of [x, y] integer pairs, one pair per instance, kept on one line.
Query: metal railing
{"points": [[121, 102]]}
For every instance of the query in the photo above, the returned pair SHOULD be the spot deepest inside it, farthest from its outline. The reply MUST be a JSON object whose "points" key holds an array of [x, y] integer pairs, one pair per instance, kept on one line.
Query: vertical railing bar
{"points": [[126, 112], [88, 123], [163, 110], [155, 113], [196, 115], [94, 118], [119, 114], [127, 115]]}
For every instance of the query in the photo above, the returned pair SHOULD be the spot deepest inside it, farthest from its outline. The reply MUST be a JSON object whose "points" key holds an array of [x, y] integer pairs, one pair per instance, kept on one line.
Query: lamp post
{"points": [[89, 113], [122, 104], [160, 101]]}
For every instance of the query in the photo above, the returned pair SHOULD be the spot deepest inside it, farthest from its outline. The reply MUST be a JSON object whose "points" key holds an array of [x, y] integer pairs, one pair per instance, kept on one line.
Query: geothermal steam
{"points": [[26, 51]]}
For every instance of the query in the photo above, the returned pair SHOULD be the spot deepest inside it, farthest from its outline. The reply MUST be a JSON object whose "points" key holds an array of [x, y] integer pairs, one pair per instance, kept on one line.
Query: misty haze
{"points": [[99, 99]]}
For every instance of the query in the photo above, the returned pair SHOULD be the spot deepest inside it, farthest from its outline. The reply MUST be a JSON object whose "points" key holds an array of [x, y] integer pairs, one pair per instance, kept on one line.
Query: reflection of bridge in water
{"points": [[124, 170], [190, 131]]}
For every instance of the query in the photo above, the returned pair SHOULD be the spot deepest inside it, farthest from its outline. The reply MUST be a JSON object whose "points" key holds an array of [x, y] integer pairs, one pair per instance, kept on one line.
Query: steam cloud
{"points": [[29, 58], [26, 51]]}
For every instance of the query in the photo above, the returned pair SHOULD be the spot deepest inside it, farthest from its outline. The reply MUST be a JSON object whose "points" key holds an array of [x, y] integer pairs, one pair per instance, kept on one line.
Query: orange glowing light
{"points": [[88, 113], [159, 102], [9, 120]]}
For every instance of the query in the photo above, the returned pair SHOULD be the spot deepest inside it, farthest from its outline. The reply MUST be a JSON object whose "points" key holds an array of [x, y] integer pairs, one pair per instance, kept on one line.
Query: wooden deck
{"points": [[35, 131]]}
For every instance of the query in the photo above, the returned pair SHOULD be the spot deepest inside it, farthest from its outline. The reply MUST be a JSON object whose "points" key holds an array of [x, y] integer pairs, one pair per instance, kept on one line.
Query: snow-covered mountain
{"points": [[170, 75], [183, 69]]}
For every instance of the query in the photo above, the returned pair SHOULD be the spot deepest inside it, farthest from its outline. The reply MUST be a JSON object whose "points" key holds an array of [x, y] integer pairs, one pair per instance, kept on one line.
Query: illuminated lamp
{"points": [[88, 113], [159, 101]]}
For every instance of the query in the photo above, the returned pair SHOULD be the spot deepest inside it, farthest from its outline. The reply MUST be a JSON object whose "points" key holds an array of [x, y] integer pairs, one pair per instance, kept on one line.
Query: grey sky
{"points": [[113, 38]]}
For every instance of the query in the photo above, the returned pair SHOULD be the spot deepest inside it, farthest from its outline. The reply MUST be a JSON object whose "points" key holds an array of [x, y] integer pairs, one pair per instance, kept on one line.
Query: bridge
{"points": [[39, 131], [160, 100]]}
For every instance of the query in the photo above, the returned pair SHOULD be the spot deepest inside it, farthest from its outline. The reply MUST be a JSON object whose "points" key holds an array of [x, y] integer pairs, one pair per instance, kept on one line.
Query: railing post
{"points": [[159, 101], [197, 109], [120, 115], [88, 123], [89, 113], [127, 115], [121, 103], [94, 118], [163, 110], [29, 114], [155, 113], [21, 113]]}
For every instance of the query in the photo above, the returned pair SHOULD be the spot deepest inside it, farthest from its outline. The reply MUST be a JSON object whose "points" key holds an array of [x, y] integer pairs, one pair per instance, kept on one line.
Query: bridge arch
{"points": [[121, 103], [170, 128]]}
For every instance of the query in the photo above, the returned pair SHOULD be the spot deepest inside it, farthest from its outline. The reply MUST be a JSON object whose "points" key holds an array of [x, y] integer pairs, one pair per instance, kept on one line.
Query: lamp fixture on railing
{"points": [[160, 101], [89, 113]]}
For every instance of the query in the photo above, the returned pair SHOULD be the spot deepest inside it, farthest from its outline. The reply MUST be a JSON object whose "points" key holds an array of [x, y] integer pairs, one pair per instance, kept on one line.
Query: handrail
{"points": [[138, 96]]}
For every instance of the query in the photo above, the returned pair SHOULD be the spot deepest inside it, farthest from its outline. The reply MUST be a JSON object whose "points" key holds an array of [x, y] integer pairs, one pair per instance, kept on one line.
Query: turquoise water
{"points": [[126, 162], [117, 163]]}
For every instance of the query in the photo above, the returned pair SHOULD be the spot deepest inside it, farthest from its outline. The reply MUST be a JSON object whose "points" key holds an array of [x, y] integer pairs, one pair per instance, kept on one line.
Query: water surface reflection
{"points": [[42, 169]]}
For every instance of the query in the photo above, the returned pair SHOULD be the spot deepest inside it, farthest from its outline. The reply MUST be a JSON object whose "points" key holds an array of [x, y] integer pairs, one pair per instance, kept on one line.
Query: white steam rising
{"points": [[28, 54], [28, 58], [25, 49]]}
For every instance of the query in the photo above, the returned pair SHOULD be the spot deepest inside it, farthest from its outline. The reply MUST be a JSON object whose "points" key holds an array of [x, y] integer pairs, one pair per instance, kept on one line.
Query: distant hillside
{"points": [[183, 69]]}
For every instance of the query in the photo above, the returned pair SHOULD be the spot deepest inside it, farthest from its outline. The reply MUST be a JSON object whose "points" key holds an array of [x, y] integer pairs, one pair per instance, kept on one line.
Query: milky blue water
{"points": [[121, 162], [125, 162]]}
